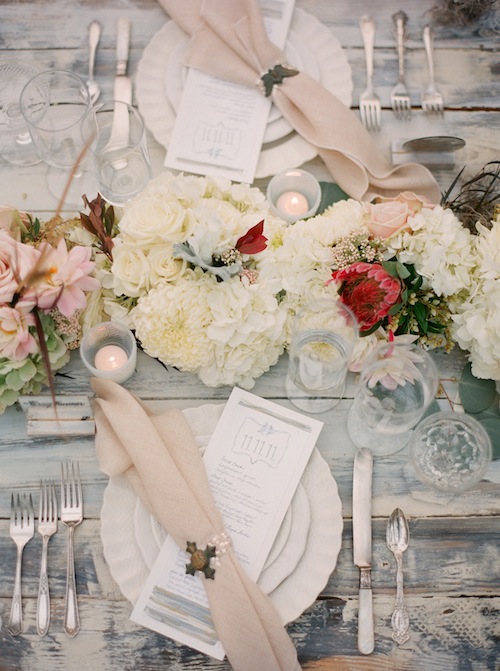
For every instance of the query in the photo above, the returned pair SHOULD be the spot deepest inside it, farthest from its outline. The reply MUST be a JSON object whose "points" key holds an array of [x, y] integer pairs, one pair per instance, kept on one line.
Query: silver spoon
{"points": [[398, 536], [94, 35]]}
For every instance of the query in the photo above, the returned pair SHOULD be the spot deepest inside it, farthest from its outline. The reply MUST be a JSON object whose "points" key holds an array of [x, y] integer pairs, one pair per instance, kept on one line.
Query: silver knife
{"points": [[362, 544], [122, 87]]}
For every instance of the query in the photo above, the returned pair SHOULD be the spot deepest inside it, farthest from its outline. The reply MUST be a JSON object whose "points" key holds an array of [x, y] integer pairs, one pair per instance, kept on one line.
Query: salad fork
{"points": [[400, 98], [369, 102], [22, 529], [71, 516], [432, 100], [47, 527]]}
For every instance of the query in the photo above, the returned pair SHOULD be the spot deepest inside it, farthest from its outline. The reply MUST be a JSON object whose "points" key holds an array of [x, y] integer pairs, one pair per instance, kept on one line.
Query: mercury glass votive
{"points": [[109, 351], [294, 194]]}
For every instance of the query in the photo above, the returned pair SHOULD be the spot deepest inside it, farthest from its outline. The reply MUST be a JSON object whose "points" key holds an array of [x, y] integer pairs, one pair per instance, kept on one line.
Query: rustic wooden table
{"points": [[453, 562]]}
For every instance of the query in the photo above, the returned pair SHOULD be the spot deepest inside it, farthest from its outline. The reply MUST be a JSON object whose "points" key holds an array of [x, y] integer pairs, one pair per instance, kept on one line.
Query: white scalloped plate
{"points": [[318, 532], [320, 52]]}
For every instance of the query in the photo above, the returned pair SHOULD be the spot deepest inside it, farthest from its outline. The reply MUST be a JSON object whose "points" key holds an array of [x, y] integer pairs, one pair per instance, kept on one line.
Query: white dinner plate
{"points": [[295, 580], [319, 51]]}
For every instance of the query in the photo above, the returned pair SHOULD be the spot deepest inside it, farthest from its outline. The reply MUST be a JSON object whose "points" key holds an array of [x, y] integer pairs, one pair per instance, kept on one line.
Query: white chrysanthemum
{"points": [[226, 332], [171, 323]]}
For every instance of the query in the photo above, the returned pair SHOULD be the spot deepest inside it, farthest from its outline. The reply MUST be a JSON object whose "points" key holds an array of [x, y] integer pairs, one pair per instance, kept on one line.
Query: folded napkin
{"points": [[160, 456], [228, 40]]}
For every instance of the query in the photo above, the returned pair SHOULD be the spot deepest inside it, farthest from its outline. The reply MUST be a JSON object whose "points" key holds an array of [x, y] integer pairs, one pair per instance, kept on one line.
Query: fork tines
{"points": [[369, 102], [71, 486]]}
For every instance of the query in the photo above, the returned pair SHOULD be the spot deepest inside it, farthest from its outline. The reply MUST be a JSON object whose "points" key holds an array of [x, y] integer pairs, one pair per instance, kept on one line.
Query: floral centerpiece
{"points": [[43, 294], [187, 272]]}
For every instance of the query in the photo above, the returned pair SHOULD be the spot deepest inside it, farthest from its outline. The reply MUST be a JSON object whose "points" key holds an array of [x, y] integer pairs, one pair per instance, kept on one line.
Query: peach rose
{"points": [[387, 216]]}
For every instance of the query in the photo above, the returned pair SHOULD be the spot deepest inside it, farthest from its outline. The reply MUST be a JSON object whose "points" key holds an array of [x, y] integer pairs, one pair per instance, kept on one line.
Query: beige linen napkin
{"points": [[160, 456], [228, 40]]}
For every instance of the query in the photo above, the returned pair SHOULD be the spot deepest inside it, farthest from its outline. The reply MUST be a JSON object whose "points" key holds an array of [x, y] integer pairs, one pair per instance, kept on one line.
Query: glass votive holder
{"points": [[450, 451], [109, 351], [294, 194]]}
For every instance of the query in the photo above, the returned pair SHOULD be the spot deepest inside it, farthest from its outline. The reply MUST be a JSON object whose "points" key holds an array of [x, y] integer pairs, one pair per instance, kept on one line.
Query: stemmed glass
{"points": [[397, 384], [16, 146], [57, 108]]}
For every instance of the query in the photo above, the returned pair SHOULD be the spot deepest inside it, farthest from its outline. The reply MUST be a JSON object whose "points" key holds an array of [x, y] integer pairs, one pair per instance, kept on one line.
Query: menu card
{"points": [[220, 125], [254, 462]]}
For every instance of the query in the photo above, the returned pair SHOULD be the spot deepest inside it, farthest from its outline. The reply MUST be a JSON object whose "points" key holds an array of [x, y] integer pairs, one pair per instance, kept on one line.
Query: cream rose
{"points": [[153, 218], [131, 272], [163, 266]]}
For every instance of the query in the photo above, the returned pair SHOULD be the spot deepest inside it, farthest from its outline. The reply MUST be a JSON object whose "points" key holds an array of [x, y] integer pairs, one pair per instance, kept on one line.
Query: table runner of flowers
{"points": [[210, 280]]}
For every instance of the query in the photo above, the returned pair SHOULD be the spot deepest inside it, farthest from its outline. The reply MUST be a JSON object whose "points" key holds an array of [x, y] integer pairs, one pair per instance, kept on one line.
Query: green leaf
{"points": [[391, 267], [476, 395], [330, 193], [402, 270], [421, 316], [395, 309], [492, 426]]}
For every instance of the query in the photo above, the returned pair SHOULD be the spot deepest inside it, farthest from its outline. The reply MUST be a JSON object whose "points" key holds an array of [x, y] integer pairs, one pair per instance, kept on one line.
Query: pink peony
{"points": [[369, 291], [16, 342], [66, 276]]}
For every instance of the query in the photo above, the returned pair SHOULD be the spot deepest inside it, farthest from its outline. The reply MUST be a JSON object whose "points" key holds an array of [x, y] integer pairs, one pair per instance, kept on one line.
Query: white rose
{"points": [[131, 272], [163, 266], [152, 218]]}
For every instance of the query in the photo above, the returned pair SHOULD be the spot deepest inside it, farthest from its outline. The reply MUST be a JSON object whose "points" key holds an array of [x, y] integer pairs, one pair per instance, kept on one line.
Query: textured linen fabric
{"points": [[228, 40], [159, 454]]}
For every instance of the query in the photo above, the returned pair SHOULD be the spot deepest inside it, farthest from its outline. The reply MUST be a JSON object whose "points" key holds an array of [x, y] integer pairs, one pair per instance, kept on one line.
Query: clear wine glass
{"points": [[16, 146], [398, 382], [57, 108]]}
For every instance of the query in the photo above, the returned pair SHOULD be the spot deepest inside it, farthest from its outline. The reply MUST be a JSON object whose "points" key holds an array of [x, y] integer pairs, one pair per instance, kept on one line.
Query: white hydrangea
{"points": [[440, 248]]}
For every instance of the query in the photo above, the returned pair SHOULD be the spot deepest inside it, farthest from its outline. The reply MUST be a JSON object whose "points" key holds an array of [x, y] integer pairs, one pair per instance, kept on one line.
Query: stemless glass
{"points": [[120, 152], [56, 106], [324, 333], [16, 145], [398, 382], [450, 451]]}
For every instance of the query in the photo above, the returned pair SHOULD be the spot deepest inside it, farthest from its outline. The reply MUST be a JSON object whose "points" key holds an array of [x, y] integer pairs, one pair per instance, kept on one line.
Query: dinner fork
{"points": [[71, 516], [369, 102], [47, 527], [22, 529], [432, 100], [400, 98]]}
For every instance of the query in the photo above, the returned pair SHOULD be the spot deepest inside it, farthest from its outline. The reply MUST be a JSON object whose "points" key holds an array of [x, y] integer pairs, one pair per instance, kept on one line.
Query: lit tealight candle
{"points": [[292, 202], [110, 357]]}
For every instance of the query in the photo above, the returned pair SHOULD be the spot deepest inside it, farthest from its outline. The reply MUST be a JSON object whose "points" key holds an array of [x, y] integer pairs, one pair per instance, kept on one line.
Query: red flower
{"points": [[369, 291], [253, 241]]}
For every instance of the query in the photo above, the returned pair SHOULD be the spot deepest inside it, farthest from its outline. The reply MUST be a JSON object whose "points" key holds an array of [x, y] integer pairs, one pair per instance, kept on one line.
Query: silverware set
{"points": [[22, 530], [400, 99]]}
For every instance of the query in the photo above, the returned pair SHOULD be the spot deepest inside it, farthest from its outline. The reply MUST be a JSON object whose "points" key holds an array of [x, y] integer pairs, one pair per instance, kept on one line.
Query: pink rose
{"points": [[387, 216], [385, 219]]}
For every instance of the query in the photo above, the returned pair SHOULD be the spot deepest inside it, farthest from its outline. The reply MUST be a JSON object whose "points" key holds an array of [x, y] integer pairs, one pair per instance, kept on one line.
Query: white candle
{"points": [[292, 202], [110, 357]]}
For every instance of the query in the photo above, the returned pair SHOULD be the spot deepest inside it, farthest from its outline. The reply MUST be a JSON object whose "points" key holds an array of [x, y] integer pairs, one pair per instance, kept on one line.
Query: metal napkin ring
{"points": [[275, 76]]}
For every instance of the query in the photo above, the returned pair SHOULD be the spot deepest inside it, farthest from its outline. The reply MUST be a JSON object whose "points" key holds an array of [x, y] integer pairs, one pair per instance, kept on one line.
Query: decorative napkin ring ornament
{"points": [[203, 560], [276, 76]]}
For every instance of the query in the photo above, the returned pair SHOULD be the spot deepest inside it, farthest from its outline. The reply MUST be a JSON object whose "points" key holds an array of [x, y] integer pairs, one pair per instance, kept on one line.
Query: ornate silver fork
{"points": [[47, 527], [400, 98], [369, 102], [432, 100], [22, 529], [71, 516]]}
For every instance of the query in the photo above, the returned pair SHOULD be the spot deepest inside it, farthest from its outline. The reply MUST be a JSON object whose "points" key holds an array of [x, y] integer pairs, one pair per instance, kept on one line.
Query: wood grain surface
{"points": [[452, 566]]}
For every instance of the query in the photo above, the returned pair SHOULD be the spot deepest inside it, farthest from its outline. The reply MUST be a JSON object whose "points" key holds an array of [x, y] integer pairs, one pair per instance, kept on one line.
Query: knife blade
{"points": [[122, 90], [362, 544]]}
